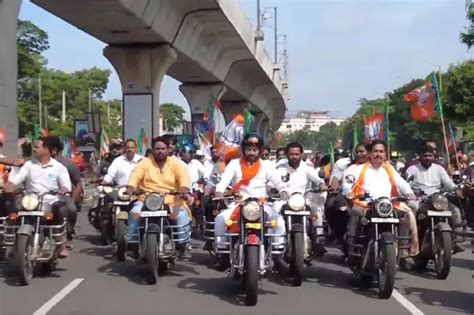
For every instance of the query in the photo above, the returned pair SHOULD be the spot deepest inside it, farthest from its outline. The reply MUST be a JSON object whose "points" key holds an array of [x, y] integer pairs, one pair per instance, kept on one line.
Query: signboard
{"points": [[137, 114], [81, 131]]}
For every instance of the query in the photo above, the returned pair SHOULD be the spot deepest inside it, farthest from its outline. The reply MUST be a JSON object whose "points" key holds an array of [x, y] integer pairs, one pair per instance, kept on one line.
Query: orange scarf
{"points": [[358, 188], [248, 173]]}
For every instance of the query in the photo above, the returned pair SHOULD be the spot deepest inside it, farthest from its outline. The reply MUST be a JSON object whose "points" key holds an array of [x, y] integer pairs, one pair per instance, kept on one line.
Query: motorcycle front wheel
{"points": [[387, 270], [121, 240], [297, 261], [152, 258], [251, 275], [443, 254], [22, 260]]}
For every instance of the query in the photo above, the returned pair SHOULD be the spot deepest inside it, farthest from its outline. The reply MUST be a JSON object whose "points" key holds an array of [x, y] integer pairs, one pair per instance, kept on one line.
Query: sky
{"points": [[339, 51]]}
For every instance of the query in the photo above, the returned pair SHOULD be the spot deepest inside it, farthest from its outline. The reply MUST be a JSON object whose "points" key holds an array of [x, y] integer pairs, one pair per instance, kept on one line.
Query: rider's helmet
{"points": [[252, 139], [188, 148], [115, 147]]}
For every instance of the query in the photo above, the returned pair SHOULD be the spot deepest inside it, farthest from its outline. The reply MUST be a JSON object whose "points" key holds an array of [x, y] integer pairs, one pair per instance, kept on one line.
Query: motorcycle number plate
{"points": [[384, 220], [255, 226], [289, 212], [30, 213], [433, 213], [148, 214], [121, 203]]}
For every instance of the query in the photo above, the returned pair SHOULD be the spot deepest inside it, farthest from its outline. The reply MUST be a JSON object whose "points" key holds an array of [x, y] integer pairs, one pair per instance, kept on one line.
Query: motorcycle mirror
{"points": [[350, 179]]}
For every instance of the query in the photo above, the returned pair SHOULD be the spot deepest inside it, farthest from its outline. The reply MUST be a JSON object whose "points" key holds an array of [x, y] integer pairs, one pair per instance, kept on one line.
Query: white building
{"points": [[307, 120]]}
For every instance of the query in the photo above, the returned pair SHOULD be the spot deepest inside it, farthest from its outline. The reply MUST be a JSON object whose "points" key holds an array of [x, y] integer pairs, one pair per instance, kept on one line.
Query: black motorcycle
{"points": [[371, 251], [251, 248], [157, 235], [435, 233], [34, 236]]}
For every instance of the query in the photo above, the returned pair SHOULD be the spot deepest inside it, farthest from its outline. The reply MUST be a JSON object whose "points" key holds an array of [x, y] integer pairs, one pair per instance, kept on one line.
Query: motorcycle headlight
{"points": [[251, 211], [30, 202], [122, 194], [297, 202], [154, 202], [384, 208], [108, 189], [440, 202], [100, 189]]}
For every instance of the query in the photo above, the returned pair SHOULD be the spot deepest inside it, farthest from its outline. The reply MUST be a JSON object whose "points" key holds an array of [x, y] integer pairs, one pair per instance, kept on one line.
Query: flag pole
{"points": [[438, 95], [387, 122]]}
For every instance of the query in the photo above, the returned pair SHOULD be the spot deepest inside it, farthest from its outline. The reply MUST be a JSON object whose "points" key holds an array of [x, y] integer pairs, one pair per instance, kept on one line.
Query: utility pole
{"points": [[46, 118], [40, 106], [63, 120], [258, 15], [108, 113], [276, 35], [90, 101]]}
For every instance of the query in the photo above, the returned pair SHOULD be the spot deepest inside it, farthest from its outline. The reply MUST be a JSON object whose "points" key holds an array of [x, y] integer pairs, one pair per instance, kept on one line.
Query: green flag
{"points": [[248, 121], [331, 153], [37, 133]]}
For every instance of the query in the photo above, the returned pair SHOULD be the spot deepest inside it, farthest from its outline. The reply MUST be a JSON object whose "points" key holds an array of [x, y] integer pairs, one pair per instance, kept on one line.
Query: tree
{"points": [[31, 42], [467, 37], [173, 115]]}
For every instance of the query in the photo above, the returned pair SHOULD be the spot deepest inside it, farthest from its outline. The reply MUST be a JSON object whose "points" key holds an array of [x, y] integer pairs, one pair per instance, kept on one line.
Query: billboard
{"points": [[137, 113]]}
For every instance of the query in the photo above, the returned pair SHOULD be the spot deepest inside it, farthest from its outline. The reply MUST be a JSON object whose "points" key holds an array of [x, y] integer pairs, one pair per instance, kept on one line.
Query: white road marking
{"points": [[406, 304], [58, 297]]}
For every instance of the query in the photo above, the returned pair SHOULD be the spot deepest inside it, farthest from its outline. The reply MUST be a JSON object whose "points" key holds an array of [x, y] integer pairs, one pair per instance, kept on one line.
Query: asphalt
{"points": [[195, 287]]}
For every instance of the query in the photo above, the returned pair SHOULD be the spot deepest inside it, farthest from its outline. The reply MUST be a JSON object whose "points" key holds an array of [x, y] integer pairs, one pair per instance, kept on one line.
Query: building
{"points": [[307, 120]]}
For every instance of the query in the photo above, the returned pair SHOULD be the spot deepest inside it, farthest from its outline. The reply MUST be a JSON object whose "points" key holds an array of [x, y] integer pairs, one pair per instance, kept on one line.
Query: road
{"points": [[91, 282]]}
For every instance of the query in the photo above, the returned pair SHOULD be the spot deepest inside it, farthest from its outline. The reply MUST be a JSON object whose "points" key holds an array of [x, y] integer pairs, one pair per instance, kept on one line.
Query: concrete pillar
{"points": [[9, 10], [199, 96], [141, 70], [258, 124]]}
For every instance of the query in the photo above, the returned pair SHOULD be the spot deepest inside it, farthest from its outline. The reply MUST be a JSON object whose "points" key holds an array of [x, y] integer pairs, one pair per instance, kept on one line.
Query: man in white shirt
{"points": [[210, 164], [375, 177], [298, 178], [249, 177], [121, 168], [432, 178], [42, 175], [195, 168]]}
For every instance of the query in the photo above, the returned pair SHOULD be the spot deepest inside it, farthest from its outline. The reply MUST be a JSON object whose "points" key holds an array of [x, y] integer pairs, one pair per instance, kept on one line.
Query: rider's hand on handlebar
{"points": [[130, 190], [323, 187], [284, 196], [219, 195], [411, 197]]}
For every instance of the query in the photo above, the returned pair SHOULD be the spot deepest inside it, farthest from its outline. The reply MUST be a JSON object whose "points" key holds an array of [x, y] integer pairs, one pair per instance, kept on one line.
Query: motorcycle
{"points": [[157, 236], [120, 211], [435, 233], [250, 247], [296, 214], [36, 241], [371, 250]]}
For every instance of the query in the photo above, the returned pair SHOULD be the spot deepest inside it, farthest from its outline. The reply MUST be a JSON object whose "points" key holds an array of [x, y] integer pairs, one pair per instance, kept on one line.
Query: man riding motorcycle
{"points": [[115, 150], [119, 171], [300, 176], [379, 179], [432, 178], [249, 176], [160, 174], [42, 175]]}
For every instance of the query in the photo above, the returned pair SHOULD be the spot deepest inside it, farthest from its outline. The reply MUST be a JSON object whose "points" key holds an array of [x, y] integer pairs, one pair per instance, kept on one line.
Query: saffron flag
{"points": [[143, 142], [452, 139], [104, 143], [423, 102], [228, 143], [374, 128]]}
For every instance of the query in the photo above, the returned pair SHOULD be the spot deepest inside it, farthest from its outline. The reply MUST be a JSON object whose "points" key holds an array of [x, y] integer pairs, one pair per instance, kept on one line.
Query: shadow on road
{"points": [[223, 288], [7, 272], [454, 300]]}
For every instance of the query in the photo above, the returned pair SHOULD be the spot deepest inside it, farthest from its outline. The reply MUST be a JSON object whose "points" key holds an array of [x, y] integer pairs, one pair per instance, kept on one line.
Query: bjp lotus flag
{"points": [[374, 128], [423, 102]]}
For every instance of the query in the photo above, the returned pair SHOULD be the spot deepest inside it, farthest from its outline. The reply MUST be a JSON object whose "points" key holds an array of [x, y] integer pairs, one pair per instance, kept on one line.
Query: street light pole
{"points": [[40, 105], [276, 34], [258, 15]]}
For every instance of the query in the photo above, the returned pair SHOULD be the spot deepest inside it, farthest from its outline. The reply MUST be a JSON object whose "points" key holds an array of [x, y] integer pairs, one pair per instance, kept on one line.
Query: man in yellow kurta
{"points": [[161, 174]]}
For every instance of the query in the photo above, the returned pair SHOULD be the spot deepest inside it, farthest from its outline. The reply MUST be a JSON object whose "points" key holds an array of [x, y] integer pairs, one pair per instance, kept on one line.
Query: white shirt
{"points": [[41, 179], [339, 167], [300, 178], [121, 168], [430, 180], [209, 168], [376, 182], [257, 187], [196, 171]]}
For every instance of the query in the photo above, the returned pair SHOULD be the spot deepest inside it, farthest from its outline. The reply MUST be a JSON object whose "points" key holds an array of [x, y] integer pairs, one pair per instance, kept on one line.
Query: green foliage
{"points": [[31, 42], [173, 115], [467, 37], [311, 139]]}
